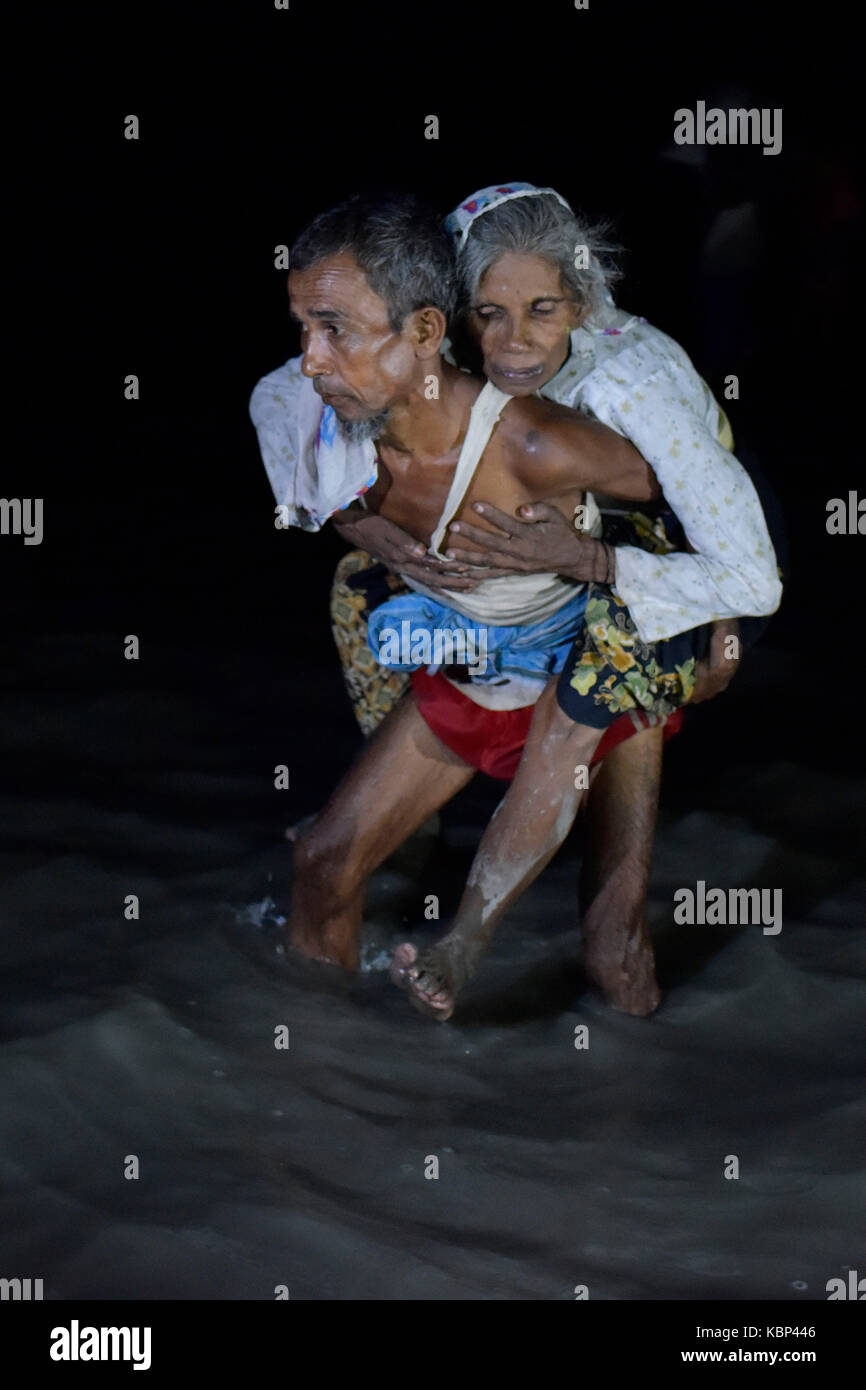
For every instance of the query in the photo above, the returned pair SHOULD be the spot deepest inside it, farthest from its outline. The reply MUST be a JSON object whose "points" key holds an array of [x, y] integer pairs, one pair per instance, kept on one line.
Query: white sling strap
{"points": [[486, 410]]}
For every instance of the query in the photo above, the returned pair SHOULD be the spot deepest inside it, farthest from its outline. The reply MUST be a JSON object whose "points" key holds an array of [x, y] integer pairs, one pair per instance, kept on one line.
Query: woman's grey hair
{"points": [[540, 225]]}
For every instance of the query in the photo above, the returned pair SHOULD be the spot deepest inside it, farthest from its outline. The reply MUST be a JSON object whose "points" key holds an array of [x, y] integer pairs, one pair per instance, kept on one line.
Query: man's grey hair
{"points": [[400, 244], [540, 226]]}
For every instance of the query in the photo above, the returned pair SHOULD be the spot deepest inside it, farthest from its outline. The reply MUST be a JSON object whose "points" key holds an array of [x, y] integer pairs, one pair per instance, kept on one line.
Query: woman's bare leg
{"points": [[621, 815], [526, 830]]}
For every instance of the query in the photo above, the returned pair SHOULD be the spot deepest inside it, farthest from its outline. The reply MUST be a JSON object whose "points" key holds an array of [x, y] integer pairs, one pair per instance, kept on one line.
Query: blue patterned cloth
{"points": [[534, 650]]}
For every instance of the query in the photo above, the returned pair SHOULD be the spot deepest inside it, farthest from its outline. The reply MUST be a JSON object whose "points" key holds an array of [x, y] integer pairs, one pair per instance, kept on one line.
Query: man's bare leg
{"points": [[403, 774], [526, 830], [620, 827]]}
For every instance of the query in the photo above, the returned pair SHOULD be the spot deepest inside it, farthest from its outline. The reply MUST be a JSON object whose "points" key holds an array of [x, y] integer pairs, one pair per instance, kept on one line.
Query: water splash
{"points": [[261, 915]]}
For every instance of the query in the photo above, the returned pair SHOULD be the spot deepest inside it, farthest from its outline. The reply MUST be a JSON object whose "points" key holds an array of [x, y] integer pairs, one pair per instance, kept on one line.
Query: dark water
{"points": [[557, 1166]]}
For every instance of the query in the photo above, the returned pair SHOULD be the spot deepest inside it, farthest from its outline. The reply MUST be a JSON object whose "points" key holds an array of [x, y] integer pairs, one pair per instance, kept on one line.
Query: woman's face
{"points": [[521, 320]]}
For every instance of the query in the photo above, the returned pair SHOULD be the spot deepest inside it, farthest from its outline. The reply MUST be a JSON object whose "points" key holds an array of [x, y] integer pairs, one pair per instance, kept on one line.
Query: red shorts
{"points": [[492, 739]]}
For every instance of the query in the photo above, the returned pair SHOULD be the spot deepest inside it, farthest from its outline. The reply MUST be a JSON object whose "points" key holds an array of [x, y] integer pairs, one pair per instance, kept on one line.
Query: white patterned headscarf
{"points": [[459, 223], [460, 220]]}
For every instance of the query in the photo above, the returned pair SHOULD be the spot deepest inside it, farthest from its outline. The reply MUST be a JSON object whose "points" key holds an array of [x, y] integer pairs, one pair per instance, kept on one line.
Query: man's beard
{"points": [[358, 431]]}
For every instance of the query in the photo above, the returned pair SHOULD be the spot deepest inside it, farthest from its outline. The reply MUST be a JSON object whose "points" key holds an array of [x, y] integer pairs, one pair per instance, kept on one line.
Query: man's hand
{"points": [[394, 547], [717, 670], [541, 542]]}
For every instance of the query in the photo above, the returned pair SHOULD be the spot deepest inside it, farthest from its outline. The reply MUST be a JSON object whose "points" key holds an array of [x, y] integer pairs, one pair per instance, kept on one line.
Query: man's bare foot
{"points": [[434, 977], [321, 947], [622, 965]]}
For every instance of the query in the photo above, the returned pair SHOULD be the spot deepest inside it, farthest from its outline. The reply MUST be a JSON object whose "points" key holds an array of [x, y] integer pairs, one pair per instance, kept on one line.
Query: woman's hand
{"points": [[539, 541], [394, 547]]}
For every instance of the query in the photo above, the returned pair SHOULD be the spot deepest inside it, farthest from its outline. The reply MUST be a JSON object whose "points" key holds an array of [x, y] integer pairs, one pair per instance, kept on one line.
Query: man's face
{"points": [[357, 363], [521, 319]]}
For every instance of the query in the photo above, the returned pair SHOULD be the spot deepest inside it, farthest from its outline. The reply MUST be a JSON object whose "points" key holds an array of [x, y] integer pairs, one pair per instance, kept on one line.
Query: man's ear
{"points": [[427, 328]]}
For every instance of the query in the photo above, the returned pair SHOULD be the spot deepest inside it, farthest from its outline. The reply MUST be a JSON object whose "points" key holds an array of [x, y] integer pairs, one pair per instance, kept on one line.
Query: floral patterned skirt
{"points": [[610, 670], [360, 585]]}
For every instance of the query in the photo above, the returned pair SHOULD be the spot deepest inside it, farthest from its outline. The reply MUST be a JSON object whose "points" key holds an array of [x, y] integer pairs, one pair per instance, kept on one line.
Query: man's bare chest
{"points": [[413, 492]]}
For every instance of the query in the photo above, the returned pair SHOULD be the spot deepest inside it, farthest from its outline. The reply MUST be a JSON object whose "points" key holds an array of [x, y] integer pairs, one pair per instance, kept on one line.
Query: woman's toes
{"points": [[402, 962]]}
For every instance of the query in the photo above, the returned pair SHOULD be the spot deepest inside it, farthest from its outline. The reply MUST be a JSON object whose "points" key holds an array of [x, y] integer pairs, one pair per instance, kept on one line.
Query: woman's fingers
{"points": [[491, 540], [542, 511], [509, 524]]}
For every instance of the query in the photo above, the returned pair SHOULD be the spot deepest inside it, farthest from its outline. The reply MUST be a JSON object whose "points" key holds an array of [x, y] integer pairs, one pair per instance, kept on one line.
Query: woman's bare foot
{"points": [[404, 956], [434, 977], [622, 964]]}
